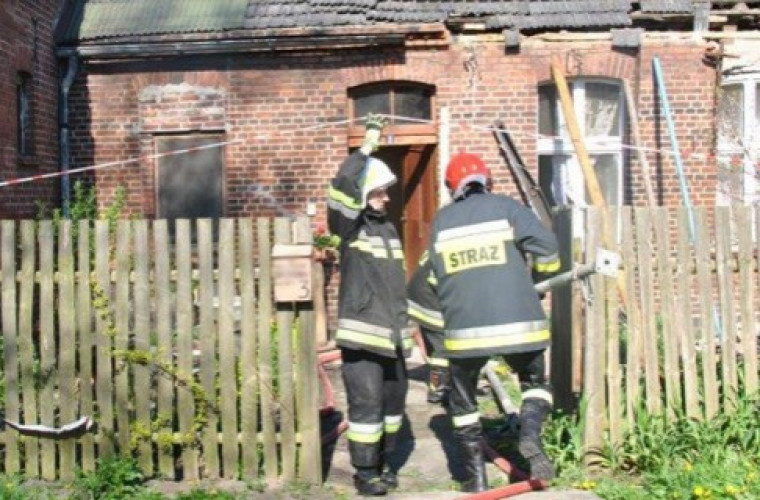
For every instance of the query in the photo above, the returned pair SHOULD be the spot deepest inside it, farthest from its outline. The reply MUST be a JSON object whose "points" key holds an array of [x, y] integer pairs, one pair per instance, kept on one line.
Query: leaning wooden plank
{"points": [[66, 335], [684, 312], [165, 390], [185, 404], [208, 339], [142, 388], [10, 341], [84, 327], [305, 364], [266, 388], [249, 388], [227, 358], [104, 340], [282, 234], [725, 290], [121, 343], [648, 314], [47, 346], [747, 297], [27, 359], [670, 327], [709, 321], [634, 352]]}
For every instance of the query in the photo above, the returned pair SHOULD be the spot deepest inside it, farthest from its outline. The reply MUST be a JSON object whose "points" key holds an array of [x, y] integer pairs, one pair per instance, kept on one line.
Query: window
{"points": [[738, 142], [410, 104], [408, 100], [599, 108], [23, 114], [190, 185]]}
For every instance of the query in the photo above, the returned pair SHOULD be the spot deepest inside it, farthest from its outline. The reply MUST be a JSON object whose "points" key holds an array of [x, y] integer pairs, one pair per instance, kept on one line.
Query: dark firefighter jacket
{"points": [[372, 297], [424, 306], [476, 251]]}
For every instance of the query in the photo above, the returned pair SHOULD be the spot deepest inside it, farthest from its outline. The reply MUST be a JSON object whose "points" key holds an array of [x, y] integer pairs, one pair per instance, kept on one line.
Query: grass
{"points": [[659, 458]]}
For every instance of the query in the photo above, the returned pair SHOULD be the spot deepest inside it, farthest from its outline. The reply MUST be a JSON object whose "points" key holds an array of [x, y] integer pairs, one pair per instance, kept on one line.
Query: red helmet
{"points": [[463, 169]]}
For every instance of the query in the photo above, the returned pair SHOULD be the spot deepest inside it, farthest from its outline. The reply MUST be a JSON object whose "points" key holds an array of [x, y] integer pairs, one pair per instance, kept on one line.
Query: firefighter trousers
{"points": [[376, 388], [463, 405]]}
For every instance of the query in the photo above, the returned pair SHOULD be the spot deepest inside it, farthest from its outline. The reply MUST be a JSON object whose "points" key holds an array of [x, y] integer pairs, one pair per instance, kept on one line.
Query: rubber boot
{"points": [[388, 475], [475, 466], [438, 386], [368, 482], [532, 414]]}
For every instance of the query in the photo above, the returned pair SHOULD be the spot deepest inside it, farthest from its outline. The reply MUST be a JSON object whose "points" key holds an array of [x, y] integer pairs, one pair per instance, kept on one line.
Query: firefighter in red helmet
{"points": [[489, 306]]}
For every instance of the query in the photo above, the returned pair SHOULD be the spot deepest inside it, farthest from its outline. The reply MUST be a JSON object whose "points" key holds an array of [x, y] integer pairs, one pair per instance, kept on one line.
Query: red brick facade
{"points": [[27, 46], [273, 107]]}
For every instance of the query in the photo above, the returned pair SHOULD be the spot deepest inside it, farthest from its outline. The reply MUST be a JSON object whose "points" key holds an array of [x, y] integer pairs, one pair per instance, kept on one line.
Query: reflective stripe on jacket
{"points": [[424, 307], [372, 297], [477, 263]]}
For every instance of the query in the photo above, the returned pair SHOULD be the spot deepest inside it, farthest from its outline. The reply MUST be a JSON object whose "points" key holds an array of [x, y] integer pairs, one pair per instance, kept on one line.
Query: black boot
{"points": [[438, 385], [532, 415], [368, 482], [389, 476], [474, 466]]}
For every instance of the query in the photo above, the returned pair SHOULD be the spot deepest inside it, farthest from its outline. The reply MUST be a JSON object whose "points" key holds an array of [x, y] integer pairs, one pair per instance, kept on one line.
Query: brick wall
{"points": [[26, 45], [286, 114]]}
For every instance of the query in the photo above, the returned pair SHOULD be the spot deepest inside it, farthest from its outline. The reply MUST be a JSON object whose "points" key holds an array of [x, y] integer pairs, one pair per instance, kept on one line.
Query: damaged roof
{"points": [[92, 19], [100, 19]]}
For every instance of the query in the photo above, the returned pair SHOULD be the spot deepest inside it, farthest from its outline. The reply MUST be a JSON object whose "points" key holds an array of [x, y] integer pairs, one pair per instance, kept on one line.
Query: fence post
{"points": [[307, 389], [564, 314], [10, 341]]}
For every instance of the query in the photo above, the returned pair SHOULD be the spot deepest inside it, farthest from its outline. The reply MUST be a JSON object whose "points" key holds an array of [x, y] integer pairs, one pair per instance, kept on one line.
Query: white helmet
{"points": [[376, 175]]}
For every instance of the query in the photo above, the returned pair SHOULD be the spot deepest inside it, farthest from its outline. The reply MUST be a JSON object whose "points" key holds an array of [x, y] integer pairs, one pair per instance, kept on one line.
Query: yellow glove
{"points": [[374, 127]]}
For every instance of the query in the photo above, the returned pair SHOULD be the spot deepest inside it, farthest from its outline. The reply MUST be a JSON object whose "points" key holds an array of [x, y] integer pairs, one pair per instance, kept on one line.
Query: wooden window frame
{"points": [[560, 147], [394, 134]]}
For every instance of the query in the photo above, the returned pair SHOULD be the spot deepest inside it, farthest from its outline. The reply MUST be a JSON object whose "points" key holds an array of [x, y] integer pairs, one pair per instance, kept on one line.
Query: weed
{"points": [[114, 478]]}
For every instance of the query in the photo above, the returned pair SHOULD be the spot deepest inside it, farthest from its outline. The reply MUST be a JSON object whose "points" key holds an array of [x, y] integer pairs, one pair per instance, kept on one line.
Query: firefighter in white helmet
{"points": [[373, 331], [476, 256]]}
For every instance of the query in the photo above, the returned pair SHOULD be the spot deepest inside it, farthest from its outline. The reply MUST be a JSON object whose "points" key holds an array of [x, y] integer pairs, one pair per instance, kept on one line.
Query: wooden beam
{"points": [[571, 120]]}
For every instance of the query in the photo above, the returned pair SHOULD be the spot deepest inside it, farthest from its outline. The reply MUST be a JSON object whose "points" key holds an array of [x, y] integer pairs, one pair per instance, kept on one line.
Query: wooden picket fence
{"points": [[675, 333], [172, 343]]}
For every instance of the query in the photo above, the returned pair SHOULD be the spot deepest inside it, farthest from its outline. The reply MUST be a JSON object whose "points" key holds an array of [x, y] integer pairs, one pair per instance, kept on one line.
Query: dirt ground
{"points": [[430, 467]]}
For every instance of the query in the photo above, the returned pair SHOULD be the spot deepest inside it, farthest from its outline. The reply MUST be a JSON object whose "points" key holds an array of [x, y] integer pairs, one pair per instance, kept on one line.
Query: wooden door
{"points": [[413, 199]]}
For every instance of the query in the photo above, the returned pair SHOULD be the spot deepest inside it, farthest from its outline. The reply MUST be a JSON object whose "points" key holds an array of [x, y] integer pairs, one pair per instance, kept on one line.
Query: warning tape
{"points": [[461, 123]]}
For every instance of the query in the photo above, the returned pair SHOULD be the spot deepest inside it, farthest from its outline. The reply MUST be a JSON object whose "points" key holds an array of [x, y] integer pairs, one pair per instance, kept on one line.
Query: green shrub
{"points": [[113, 479]]}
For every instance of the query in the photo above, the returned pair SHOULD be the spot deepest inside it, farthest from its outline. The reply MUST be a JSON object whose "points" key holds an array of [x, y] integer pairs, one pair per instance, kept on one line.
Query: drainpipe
{"points": [[64, 136]]}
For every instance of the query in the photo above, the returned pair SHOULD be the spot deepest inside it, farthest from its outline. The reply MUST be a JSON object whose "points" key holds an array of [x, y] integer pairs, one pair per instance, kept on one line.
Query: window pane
{"points": [[413, 103], [607, 171], [731, 114], [371, 101], [602, 109], [547, 110], [23, 115], [546, 177], [190, 185]]}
